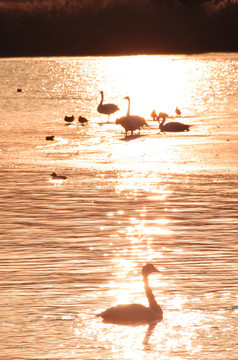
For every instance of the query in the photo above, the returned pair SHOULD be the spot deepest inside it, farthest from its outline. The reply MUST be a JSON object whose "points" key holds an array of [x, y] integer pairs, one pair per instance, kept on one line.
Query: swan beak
{"points": [[157, 270]]}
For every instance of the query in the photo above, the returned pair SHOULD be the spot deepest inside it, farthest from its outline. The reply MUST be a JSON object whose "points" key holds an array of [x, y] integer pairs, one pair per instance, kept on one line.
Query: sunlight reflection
{"points": [[163, 83]]}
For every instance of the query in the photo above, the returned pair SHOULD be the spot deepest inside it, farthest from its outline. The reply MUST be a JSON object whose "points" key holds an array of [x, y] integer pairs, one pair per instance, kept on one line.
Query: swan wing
{"points": [[129, 314], [107, 108], [175, 126], [131, 122]]}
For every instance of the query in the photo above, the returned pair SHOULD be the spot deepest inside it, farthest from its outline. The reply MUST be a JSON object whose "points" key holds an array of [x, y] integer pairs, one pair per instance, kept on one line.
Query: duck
{"points": [[153, 115], [69, 119], [50, 137], [106, 109], [172, 126], [58, 177], [129, 314], [178, 111], [131, 122], [82, 120]]}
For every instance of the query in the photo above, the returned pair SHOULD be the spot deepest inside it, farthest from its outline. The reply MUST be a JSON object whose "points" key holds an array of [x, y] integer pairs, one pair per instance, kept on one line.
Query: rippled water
{"points": [[70, 249]]}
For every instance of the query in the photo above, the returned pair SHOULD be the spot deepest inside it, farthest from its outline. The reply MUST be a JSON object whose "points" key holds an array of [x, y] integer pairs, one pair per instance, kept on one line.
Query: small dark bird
{"points": [[19, 90], [106, 109], [129, 314], [82, 120], [172, 126], [163, 115], [131, 122], [153, 115], [50, 137], [178, 111], [69, 119], [58, 177]]}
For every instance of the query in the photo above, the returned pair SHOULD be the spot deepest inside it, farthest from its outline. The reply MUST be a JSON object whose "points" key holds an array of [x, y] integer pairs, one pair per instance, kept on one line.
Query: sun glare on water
{"points": [[152, 82]]}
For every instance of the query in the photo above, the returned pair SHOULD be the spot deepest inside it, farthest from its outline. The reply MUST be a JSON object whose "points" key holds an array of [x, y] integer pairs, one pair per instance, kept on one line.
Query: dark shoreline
{"points": [[134, 27]]}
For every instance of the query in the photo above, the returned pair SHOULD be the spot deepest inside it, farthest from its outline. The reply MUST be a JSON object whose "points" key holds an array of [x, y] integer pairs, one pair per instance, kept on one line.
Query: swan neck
{"points": [[128, 108], [150, 296]]}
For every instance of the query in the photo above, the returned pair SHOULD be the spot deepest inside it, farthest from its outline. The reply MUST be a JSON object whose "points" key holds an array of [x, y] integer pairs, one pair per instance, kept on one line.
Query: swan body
{"points": [[131, 122], [106, 109], [172, 126], [136, 313], [58, 177]]}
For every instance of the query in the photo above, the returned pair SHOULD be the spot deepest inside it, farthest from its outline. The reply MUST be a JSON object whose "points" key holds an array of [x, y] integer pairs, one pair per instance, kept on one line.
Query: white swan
{"points": [[131, 122], [136, 313], [106, 109]]}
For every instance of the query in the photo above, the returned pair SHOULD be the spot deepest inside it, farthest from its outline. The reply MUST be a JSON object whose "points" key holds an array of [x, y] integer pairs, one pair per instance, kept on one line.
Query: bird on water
{"points": [[178, 111], [131, 122], [129, 314], [69, 119], [106, 109], [82, 120], [172, 126], [58, 177]]}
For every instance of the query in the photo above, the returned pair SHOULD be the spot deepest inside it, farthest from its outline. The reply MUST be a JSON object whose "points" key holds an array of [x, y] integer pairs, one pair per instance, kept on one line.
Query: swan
{"points": [[131, 122], [172, 126], [136, 313], [58, 177], [69, 118], [106, 109]]}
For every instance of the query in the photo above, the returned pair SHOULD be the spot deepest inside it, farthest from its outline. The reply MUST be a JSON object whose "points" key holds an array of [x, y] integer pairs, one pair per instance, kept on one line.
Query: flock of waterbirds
{"points": [[131, 122], [128, 122]]}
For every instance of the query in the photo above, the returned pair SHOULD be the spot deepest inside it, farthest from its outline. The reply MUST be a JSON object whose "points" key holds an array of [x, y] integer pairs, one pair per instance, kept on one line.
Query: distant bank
{"points": [[117, 27]]}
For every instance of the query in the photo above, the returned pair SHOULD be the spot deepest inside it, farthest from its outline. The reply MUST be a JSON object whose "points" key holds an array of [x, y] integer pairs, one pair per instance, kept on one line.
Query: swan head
{"points": [[149, 269]]}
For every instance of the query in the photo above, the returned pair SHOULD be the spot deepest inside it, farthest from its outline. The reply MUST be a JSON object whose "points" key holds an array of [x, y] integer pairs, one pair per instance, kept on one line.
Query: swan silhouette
{"points": [[131, 122], [136, 313], [172, 126], [106, 109]]}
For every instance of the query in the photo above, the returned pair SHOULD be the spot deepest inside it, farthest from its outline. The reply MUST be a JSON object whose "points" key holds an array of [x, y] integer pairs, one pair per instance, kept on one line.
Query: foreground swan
{"points": [[106, 109], [172, 126], [131, 122], [136, 313]]}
